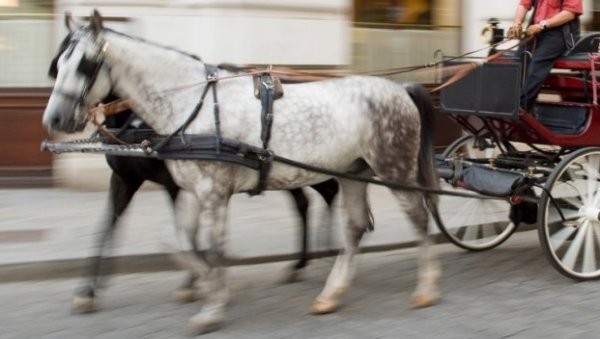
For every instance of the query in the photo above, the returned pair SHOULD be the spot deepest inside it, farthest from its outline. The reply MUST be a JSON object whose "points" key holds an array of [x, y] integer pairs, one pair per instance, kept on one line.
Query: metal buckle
{"points": [[267, 158]]}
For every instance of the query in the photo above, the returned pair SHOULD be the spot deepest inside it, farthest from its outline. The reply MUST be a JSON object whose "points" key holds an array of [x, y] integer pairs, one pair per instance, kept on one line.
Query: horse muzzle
{"points": [[58, 122]]}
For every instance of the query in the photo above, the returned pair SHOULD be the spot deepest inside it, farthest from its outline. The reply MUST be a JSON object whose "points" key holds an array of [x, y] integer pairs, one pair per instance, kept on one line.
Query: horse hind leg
{"points": [[301, 202], [328, 190], [427, 291], [120, 195], [359, 220]]}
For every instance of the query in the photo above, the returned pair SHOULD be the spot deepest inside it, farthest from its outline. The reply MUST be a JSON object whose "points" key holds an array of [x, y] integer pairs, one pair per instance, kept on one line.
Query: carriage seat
{"points": [[587, 43], [578, 56]]}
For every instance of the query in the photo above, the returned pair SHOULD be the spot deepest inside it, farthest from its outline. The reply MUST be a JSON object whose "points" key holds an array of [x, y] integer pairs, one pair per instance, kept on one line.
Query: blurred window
{"points": [[26, 46], [393, 13], [595, 24], [14, 9]]}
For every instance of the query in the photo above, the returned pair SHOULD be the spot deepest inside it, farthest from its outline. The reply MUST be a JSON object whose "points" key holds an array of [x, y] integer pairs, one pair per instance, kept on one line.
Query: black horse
{"points": [[128, 175]]}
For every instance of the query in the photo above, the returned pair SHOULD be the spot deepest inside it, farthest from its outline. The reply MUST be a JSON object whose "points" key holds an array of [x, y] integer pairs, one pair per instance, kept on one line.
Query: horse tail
{"points": [[427, 175]]}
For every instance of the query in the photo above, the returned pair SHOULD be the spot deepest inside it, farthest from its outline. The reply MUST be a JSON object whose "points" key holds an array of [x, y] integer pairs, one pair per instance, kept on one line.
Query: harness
{"points": [[267, 89], [265, 86], [179, 145]]}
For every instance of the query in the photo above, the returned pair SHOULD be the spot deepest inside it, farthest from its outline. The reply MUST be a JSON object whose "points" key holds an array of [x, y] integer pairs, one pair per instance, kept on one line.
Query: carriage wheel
{"points": [[572, 245], [470, 223]]}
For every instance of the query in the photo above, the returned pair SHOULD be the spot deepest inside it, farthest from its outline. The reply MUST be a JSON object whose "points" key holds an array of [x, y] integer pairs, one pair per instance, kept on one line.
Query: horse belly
{"points": [[283, 177]]}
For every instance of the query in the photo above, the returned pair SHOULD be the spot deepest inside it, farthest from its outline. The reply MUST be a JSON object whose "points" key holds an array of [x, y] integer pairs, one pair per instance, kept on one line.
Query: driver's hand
{"points": [[534, 30], [515, 32]]}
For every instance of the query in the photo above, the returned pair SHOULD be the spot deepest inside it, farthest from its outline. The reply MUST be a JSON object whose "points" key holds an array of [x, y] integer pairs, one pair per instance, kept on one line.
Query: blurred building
{"points": [[26, 47], [354, 35]]}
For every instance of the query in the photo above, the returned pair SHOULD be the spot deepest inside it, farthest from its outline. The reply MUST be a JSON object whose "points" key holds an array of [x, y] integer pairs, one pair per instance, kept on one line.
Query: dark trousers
{"points": [[546, 48]]}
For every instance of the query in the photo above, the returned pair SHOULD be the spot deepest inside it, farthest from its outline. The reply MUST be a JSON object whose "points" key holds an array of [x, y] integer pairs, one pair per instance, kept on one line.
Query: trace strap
{"points": [[388, 184]]}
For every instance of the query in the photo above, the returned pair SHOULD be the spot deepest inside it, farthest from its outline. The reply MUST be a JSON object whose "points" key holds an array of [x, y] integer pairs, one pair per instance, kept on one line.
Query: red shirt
{"points": [[549, 8]]}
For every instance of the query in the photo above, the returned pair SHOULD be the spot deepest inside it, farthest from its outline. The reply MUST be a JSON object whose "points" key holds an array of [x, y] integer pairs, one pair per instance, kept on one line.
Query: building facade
{"points": [[352, 35]]}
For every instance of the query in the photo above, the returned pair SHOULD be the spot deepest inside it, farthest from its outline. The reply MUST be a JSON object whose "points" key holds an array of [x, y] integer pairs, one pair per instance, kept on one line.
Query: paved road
{"points": [[509, 292]]}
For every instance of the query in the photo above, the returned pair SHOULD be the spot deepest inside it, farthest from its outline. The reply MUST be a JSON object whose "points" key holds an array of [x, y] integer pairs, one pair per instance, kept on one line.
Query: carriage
{"points": [[512, 167], [546, 163]]}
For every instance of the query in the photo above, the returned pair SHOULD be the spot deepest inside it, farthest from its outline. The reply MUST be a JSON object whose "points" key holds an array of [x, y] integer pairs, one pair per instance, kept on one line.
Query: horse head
{"points": [[82, 77]]}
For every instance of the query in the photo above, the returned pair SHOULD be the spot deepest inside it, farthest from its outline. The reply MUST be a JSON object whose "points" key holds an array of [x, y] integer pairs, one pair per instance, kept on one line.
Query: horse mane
{"points": [[152, 43], [234, 68], [64, 45]]}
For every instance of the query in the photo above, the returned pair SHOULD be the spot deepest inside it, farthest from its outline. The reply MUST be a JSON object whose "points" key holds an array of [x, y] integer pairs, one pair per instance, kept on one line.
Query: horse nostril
{"points": [[55, 122]]}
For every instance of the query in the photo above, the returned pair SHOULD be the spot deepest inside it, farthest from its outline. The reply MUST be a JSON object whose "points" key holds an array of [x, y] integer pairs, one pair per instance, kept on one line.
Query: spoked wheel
{"points": [[569, 214], [470, 223]]}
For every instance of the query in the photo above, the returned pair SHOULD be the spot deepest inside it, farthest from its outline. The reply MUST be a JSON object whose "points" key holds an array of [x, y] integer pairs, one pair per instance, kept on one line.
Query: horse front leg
{"points": [[187, 225], [213, 215], [120, 195], [359, 220]]}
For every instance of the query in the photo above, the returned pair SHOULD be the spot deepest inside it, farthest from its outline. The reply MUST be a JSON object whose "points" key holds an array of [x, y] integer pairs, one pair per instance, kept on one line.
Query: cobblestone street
{"points": [[509, 292]]}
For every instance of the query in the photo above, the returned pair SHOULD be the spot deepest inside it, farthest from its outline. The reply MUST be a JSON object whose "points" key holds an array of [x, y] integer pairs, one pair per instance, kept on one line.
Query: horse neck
{"points": [[153, 78]]}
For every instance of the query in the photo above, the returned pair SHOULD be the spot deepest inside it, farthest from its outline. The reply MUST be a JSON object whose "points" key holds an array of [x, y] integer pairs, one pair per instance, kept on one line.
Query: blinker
{"points": [[53, 70], [87, 67]]}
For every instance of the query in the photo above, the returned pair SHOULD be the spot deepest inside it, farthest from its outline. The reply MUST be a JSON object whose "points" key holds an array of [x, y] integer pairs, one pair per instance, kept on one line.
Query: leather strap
{"points": [[267, 96]]}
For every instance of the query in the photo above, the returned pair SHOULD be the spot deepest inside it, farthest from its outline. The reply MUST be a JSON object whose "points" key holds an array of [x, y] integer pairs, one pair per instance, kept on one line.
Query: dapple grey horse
{"points": [[356, 124]]}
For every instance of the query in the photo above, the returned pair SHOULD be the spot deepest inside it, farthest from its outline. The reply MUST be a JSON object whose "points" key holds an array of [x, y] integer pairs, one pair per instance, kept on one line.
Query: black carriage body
{"points": [[492, 90], [485, 102]]}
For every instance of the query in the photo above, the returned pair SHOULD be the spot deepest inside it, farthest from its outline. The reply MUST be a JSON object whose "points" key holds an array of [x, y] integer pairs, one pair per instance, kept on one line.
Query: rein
{"points": [[212, 78], [466, 69], [111, 108], [291, 75]]}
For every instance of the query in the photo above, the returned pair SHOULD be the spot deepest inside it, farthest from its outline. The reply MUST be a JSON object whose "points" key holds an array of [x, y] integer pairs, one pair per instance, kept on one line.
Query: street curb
{"points": [[159, 262], [146, 263]]}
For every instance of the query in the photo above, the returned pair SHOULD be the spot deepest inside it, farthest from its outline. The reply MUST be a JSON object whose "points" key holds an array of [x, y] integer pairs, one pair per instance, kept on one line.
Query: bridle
{"points": [[88, 68]]}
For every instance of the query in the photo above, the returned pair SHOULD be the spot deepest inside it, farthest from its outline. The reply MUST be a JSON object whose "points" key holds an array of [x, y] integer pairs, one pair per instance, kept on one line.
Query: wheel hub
{"points": [[591, 213]]}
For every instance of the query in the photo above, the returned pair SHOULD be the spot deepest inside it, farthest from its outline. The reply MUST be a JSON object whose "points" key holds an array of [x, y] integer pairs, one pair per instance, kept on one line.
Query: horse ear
{"points": [[69, 21], [96, 22]]}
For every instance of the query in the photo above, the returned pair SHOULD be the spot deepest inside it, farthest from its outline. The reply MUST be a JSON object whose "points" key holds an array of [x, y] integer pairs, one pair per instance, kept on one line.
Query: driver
{"points": [[554, 26]]}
